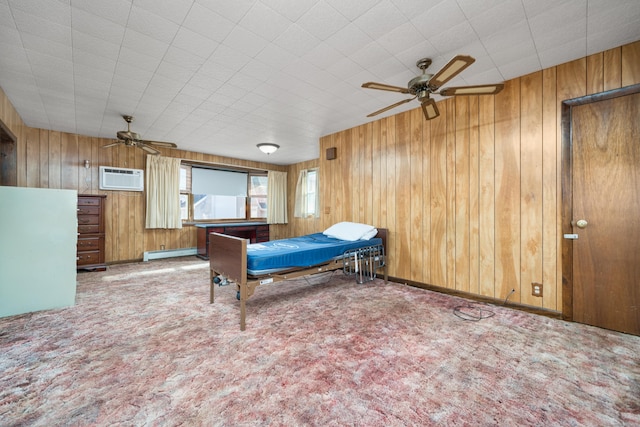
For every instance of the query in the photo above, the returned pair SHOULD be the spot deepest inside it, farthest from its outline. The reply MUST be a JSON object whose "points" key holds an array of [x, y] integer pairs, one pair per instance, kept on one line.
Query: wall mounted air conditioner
{"points": [[121, 179]]}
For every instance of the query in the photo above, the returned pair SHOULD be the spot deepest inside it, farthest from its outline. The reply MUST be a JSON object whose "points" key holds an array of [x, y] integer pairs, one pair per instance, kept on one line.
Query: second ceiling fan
{"points": [[132, 139], [422, 86]]}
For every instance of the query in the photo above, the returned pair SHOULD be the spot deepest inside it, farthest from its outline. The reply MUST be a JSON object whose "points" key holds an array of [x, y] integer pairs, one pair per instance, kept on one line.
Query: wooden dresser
{"points": [[256, 232], [90, 255]]}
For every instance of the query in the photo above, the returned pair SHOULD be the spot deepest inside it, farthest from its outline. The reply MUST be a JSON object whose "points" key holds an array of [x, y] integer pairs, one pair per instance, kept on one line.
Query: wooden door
{"points": [[605, 177], [8, 157]]}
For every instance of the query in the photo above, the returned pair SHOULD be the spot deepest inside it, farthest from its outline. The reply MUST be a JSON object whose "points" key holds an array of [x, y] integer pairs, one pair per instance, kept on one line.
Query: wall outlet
{"points": [[536, 289]]}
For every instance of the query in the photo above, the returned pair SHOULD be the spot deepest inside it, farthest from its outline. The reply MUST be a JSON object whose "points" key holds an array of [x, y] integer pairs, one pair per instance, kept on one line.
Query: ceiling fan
{"points": [[132, 139], [425, 84]]}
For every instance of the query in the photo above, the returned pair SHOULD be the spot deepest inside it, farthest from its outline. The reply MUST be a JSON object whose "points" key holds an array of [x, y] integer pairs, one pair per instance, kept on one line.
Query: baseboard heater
{"points": [[169, 253]]}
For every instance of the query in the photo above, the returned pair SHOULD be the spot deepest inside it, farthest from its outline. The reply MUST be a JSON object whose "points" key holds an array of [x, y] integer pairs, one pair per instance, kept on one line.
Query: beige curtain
{"points": [[303, 196], [163, 192], [277, 198]]}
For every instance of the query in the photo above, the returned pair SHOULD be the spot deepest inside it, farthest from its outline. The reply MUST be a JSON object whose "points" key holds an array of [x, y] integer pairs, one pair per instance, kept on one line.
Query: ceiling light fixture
{"points": [[268, 147]]}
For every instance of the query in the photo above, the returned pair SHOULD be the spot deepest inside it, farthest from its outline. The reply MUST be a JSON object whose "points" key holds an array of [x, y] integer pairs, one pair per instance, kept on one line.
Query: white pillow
{"points": [[369, 235], [351, 231]]}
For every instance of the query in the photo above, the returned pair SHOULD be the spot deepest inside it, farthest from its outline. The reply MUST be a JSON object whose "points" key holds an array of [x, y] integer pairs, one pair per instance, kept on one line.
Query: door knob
{"points": [[582, 223]]}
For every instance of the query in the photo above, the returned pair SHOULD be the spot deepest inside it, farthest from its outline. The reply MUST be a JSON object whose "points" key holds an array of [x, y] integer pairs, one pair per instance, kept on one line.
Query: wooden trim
{"points": [[603, 96], [5, 129], [566, 213], [479, 298], [567, 196], [8, 156], [224, 166]]}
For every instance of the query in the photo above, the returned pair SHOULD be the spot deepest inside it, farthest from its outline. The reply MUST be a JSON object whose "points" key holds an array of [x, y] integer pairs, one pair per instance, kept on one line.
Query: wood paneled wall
{"points": [[471, 199], [61, 165], [50, 159]]}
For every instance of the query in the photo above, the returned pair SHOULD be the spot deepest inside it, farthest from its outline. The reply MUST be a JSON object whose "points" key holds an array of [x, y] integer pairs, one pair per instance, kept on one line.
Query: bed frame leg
{"points": [[243, 306], [211, 287], [243, 314]]}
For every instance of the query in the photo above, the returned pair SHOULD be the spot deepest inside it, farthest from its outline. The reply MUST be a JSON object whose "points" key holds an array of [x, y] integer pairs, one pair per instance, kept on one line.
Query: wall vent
{"points": [[121, 179]]}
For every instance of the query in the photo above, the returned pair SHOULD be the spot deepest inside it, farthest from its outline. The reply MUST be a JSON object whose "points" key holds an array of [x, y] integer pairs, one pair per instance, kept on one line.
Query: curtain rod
{"points": [[213, 164]]}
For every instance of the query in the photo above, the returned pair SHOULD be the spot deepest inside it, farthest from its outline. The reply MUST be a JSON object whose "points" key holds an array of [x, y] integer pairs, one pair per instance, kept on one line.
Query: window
{"points": [[258, 195], [307, 194], [185, 190], [216, 194]]}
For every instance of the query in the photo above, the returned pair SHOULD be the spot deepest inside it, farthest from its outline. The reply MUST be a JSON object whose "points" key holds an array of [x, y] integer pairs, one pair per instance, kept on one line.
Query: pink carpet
{"points": [[144, 347]]}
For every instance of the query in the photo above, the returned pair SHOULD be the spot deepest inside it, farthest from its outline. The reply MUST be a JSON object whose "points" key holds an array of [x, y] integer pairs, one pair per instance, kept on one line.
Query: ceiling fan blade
{"points": [[160, 144], [473, 90], [113, 144], [430, 109], [382, 86], [148, 149], [404, 101], [449, 71]]}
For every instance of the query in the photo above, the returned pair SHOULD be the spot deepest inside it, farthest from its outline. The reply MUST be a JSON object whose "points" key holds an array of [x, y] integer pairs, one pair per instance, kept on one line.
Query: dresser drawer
{"points": [[88, 257], [88, 210], [89, 201], [88, 229], [89, 243], [88, 219], [230, 230], [262, 233]]}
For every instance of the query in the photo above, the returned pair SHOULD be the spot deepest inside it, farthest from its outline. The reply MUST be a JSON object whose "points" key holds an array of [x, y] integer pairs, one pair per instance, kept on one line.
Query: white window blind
{"points": [[219, 183]]}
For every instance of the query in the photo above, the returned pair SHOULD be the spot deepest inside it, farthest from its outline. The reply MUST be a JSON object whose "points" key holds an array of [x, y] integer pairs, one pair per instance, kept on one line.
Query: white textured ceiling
{"points": [[220, 76]]}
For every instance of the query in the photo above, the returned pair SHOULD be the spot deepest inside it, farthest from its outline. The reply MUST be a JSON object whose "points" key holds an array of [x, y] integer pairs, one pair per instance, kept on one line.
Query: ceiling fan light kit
{"points": [[268, 148], [133, 139], [425, 84]]}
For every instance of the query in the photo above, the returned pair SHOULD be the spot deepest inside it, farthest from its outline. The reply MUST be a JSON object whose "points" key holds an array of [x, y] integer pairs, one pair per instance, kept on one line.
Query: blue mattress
{"points": [[299, 252]]}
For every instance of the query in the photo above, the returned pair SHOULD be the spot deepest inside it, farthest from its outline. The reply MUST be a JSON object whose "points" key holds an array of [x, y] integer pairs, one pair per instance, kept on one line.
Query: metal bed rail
{"points": [[363, 263]]}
